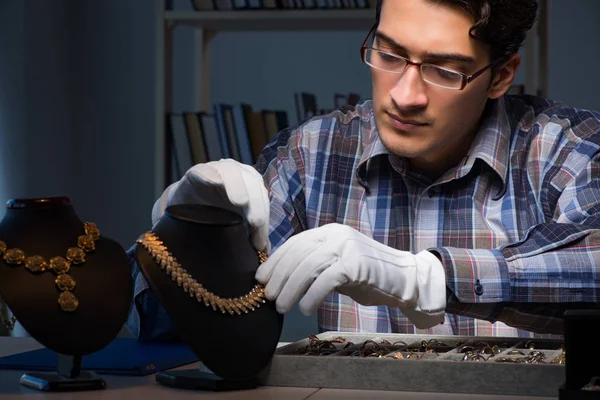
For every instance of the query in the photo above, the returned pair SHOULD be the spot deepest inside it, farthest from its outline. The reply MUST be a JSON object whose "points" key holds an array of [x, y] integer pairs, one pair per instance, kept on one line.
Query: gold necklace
{"points": [[169, 264], [59, 265]]}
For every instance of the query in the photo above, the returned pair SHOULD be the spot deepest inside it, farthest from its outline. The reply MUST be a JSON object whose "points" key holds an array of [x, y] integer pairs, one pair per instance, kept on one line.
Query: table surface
{"points": [[131, 388]]}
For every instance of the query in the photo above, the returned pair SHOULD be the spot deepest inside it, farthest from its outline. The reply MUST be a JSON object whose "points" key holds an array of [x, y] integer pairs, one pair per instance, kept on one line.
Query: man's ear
{"points": [[504, 77]]}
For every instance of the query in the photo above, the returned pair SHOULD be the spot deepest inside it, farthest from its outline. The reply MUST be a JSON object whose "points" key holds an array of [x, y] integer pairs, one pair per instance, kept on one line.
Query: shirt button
{"points": [[431, 192], [478, 288]]}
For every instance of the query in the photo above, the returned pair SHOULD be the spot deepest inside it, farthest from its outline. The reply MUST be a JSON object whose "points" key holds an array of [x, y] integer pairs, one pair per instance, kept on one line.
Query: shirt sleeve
{"points": [[147, 320], [529, 284], [280, 163]]}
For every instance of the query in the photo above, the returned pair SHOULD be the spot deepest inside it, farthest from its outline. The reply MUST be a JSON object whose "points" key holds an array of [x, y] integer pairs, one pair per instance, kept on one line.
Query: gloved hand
{"points": [[337, 257], [225, 184]]}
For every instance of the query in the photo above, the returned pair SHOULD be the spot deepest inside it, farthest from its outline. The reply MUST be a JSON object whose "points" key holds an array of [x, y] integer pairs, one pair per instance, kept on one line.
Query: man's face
{"points": [[430, 125]]}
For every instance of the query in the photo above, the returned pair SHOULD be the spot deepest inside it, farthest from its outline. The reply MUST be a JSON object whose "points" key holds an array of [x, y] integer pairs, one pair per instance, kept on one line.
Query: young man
{"points": [[442, 204]]}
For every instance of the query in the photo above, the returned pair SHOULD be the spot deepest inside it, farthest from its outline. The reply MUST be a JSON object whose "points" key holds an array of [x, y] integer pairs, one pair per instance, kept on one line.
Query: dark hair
{"points": [[501, 24]]}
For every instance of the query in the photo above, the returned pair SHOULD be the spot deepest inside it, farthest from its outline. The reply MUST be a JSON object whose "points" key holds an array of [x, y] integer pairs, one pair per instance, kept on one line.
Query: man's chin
{"points": [[393, 138], [401, 148]]}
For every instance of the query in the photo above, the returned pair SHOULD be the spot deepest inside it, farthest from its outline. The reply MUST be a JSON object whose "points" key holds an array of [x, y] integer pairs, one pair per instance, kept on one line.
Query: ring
{"points": [[369, 342], [466, 348], [473, 356], [535, 357], [560, 359], [338, 339], [377, 354], [495, 350], [325, 345], [313, 339], [398, 355], [486, 350], [529, 345]]}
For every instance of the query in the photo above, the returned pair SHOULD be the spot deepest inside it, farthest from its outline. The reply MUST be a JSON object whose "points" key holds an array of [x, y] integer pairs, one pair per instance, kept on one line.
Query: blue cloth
{"points": [[122, 356]]}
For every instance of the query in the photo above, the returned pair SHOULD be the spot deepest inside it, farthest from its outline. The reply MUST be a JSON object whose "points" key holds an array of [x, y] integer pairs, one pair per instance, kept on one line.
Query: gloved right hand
{"points": [[226, 184]]}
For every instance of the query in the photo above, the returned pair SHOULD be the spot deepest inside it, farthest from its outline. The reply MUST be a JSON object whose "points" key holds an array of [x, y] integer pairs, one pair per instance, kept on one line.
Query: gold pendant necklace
{"points": [[59, 265], [169, 264]]}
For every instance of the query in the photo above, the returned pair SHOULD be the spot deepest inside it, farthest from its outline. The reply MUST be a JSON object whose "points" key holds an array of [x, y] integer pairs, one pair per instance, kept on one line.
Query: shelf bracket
{"points": [[542, 32], [207, 37]]}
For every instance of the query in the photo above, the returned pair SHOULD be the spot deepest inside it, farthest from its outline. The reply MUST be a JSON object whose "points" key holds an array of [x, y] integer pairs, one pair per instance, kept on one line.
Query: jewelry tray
{"points": [[446, 372]]}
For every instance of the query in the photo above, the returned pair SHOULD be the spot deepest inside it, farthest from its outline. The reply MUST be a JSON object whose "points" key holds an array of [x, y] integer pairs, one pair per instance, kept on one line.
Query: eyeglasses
{"points": [[430, 73]]}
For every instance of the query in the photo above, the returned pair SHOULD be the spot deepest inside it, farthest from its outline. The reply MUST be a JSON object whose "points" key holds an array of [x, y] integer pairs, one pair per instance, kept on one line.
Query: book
{"points": [[212, 138], [197, 140], [122, 356], [240, 116], [181, 143], [226, 128]]}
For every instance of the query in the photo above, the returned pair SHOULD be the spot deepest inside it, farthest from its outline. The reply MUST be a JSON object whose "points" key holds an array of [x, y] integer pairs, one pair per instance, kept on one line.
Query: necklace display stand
{"points": [[213, 247], [69, 377], [81, 280]]}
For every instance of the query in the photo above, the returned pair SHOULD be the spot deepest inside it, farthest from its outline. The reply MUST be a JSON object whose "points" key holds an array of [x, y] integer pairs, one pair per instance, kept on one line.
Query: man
{"points": [[442, 204]]}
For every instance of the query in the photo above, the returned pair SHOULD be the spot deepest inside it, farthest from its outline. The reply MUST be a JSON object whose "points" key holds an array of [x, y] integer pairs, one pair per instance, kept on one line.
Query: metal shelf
{"points": [[275, 20]]}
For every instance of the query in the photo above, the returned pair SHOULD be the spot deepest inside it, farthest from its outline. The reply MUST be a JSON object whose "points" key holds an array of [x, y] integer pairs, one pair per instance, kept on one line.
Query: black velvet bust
{"points": [[104, 286], [212, 244]]}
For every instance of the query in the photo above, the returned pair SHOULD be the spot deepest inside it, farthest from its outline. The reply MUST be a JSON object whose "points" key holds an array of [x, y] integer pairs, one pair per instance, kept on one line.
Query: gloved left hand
{"points": [[337, 257]]}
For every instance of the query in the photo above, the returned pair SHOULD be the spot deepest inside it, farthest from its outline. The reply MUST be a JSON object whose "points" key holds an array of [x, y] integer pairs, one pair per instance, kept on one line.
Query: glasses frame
{"points": [[466, 79]]}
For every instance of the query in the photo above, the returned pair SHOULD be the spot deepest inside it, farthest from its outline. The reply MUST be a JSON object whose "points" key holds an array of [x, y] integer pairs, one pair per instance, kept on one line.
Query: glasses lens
{"points": [[441, 77], [384, 61], [390, 62]]}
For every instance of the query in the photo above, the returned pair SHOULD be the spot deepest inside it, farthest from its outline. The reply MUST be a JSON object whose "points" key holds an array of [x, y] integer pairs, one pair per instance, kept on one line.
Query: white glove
{"points": [[225, 184], [337, 257]]}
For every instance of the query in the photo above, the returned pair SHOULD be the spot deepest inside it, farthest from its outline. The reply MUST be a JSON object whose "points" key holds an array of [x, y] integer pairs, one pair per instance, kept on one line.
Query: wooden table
{"points": [[131, 388]]}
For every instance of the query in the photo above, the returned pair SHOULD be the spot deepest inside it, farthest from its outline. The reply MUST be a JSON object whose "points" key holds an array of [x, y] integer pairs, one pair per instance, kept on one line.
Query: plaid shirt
{"points": [[516, 223]]}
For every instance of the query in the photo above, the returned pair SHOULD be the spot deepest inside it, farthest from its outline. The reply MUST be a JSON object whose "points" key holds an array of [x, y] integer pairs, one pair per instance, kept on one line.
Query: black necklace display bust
{"points": [[98, 278], [212, 245]]}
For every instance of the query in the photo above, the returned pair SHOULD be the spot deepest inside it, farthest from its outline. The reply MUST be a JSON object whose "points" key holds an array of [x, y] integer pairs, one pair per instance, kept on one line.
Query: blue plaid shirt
{"points": [[516, 223]]}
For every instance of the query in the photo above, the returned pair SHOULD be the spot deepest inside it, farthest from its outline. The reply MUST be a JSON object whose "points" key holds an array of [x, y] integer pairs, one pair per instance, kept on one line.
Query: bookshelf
{"points": [[207, 24]]}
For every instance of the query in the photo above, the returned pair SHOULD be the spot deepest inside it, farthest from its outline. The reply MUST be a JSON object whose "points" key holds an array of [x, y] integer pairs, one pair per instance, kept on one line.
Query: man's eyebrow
{"points": [[430, 56]]}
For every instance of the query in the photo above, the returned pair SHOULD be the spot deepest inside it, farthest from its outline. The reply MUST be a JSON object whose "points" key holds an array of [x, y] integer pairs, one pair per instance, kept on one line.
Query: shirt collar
{"points": [[491, 145], [371, 144], [492, 142]]}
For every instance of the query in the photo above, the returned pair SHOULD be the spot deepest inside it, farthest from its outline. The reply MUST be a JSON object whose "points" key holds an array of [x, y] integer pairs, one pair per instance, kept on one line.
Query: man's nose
{"points": [[410, 89]]}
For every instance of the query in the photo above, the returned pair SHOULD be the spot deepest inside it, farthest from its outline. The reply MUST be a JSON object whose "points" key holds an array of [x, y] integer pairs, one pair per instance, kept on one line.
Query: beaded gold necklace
{"points": [[169, 264], [59, 265]]}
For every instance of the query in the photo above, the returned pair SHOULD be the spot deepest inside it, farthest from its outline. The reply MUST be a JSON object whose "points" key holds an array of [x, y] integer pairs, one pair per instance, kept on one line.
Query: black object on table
{"points": [[582, 370], [68, 377], [195, 379]]}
